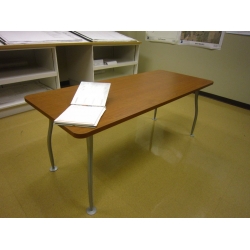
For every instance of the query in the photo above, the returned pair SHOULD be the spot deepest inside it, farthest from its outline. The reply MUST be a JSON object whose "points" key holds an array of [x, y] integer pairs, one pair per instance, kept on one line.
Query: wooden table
{"points": [[129, 96]]}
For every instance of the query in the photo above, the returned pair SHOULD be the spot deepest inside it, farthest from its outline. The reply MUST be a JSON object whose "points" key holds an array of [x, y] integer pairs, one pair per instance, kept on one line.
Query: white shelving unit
{"points": [[32, 68], [23, 72]]}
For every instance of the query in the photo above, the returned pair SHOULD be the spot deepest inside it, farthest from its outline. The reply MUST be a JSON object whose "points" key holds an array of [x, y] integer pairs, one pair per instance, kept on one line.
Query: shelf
{"points": [[13, 95], [114, 72], [119, 64], [25, 74]]}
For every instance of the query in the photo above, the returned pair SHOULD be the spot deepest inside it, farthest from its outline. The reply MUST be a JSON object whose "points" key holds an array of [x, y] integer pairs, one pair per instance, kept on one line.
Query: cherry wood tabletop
{"points": [[129, 96]]}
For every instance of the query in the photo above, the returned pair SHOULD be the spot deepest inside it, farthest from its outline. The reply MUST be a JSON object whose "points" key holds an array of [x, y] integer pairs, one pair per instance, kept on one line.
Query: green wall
{"points": [[229, 67]]}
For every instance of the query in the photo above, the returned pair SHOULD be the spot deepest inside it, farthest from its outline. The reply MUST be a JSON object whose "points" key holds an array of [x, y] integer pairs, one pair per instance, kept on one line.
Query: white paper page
{"points": [[91, 94], [83, 116]]}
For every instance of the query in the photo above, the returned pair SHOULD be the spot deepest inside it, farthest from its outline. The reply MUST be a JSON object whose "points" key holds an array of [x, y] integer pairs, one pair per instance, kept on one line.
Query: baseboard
{"points": [[226, 100]]}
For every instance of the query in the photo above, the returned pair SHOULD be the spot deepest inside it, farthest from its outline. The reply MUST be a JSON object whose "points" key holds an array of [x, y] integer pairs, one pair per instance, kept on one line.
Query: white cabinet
{"points": [[23, 72]]}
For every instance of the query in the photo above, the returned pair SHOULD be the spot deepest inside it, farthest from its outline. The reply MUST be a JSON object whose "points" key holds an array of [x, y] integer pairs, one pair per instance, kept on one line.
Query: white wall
{"points": [[229, 67]]}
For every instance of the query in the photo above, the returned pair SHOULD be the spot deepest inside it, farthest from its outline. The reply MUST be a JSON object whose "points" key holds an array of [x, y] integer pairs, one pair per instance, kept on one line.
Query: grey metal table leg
{"points": [[91, 209], [155, 112], [53, 167], [196, 112]]}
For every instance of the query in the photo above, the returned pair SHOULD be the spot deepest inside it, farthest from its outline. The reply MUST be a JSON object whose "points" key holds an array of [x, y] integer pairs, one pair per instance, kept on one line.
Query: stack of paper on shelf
{"points": [[87, 106], [110, 62], [98, 62]]}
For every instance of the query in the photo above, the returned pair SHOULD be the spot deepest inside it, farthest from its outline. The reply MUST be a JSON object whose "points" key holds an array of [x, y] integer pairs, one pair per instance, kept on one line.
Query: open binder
{"points": [[87, 105]]}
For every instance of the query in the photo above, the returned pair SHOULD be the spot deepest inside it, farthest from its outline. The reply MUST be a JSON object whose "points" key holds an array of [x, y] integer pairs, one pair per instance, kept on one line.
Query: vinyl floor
{"points": [[142, 168]]}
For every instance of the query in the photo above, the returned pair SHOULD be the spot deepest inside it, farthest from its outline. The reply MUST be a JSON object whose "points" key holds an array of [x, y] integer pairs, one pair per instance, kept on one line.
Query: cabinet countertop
{"points": [[55, 44]]}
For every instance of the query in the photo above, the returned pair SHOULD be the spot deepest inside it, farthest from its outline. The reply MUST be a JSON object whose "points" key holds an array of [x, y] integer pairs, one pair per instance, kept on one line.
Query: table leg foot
{"points": [[53, 169], [91, 211]]}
